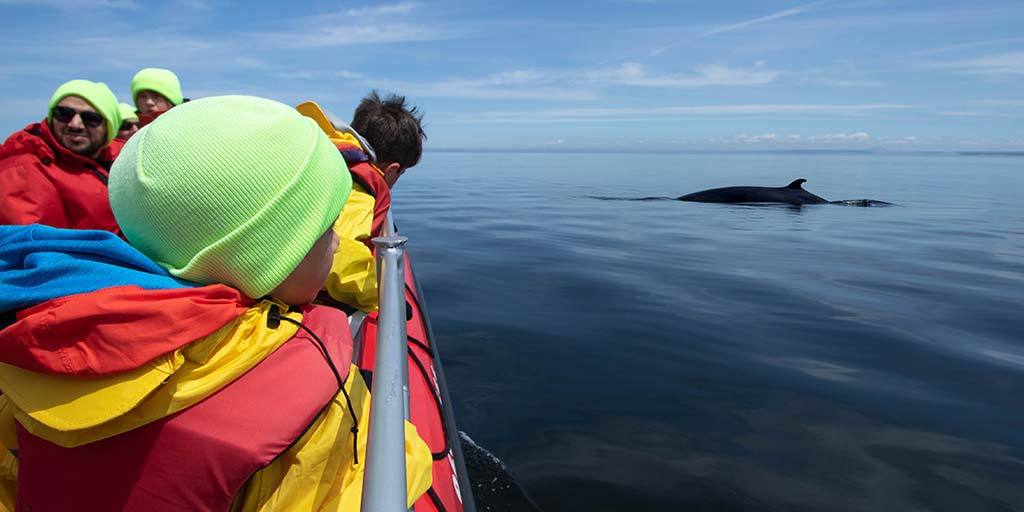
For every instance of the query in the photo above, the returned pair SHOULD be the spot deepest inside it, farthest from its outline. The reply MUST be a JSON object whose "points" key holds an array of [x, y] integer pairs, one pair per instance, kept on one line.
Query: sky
{"points": [[604, 74]]}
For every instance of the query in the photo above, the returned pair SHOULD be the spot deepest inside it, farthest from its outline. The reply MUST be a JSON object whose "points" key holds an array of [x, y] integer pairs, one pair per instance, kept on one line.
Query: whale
{"points": [[793, 194]]}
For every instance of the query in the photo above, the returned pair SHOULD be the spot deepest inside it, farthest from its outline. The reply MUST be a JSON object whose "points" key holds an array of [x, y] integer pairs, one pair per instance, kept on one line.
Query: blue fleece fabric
{"points": [[39, 263]]}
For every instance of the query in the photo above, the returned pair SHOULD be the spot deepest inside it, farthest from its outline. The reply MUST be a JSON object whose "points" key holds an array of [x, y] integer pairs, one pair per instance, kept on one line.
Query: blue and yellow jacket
{"points": [[125, 388]]}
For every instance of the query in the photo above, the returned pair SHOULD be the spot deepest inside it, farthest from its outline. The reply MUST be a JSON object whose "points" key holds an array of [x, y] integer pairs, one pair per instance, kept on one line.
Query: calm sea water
{"points": [[623, 355]]}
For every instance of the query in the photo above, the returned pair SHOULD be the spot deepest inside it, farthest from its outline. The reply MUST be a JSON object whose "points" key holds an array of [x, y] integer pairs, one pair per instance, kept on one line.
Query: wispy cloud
{"points": [[604, 114], [962, 46], [351, 75], [974, 113], [199, 5], [795, 138], [250, 63], [518, 84], [785, 13], [577, 85], [833, 82], [1011, 63], [382, 10], [791, 138], [721, 29], [840, 137], [998, 103], [64, 4], [375, 24], [637, 75], [330, 35]]}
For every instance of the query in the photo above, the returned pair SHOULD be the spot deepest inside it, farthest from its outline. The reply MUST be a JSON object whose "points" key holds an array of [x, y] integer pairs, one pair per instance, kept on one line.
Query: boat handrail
{"points": [[384, 483], [389, 229]]}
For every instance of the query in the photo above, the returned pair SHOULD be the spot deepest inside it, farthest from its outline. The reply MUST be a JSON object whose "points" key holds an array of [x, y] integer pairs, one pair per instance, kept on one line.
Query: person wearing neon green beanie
{"points": [[129, 121], [231, 189], [54, 172], [155, 91], [223, 388]]}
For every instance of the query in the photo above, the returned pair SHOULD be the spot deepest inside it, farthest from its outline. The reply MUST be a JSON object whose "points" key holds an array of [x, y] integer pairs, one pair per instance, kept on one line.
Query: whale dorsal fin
{"points": [[796, 184]]}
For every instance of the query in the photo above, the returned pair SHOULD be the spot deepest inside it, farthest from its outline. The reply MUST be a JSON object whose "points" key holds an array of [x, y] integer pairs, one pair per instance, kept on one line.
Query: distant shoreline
{"points": [[882, 152]]}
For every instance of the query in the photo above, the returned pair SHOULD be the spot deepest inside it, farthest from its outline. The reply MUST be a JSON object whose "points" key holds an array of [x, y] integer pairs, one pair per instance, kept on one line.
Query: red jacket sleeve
{"points": [[27, 196]]}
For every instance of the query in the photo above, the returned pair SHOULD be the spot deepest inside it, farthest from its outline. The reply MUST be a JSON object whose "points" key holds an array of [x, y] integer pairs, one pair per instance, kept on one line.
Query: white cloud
{"points": [[962, 46], [64, 4], [721, 29], [973, 113], [840, 137], [1011, 63], [382, 10], [653, 113], [352, 75], [767, 137], [961, 113], [635, 74], [517, 84], [250, 63], [201, 5], [578, 85], [830, 82], [792, 138], [328, 35], [357, 26], [763, 19], [998, 103]]}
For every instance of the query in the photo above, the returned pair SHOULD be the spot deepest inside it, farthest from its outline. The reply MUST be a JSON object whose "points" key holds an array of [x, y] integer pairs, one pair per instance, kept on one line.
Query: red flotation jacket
{"points": [[126, 389], [44, 182], [369, 178], [200, 458]]}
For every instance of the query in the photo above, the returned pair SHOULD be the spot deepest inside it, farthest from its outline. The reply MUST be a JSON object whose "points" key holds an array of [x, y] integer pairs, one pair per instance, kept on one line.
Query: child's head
{"points": [[394, 131], [235, 190]]}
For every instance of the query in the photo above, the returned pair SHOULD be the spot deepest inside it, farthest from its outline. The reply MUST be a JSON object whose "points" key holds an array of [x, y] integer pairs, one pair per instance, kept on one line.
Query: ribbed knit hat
{"points": [[229, 189], [163, 81], [97, 94], [127, 112]]}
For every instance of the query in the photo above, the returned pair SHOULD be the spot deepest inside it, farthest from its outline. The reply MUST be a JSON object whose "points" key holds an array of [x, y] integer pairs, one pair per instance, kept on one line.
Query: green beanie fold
{"points": [[127, 112], [163, 81], [229, 189], [97, 94]]}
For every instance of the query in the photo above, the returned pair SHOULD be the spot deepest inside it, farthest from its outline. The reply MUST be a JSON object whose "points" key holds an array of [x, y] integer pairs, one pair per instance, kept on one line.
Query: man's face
{"points": [[74, 126], [149, 102]]}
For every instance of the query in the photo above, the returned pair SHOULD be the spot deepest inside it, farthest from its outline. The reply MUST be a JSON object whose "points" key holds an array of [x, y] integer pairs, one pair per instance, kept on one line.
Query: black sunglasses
{"points": [[66, 114], [127, 125]]}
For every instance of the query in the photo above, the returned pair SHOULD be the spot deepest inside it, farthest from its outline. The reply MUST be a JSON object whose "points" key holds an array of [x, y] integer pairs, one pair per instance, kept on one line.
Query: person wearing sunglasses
{"points": [[54, 172], [129, 121], [155, 91]]}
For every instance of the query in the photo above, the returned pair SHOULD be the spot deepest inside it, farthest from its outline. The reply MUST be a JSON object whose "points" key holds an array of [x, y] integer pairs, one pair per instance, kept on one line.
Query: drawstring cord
{"points": [[274, 318]]}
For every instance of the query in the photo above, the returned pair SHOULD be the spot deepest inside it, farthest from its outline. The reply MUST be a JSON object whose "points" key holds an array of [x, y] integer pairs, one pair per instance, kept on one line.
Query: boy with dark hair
{"points": [[394, 131], [385, 139]]}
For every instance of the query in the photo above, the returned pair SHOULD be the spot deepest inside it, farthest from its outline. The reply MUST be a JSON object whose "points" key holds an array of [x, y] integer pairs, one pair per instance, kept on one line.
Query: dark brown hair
{"points": [[394, 131]]}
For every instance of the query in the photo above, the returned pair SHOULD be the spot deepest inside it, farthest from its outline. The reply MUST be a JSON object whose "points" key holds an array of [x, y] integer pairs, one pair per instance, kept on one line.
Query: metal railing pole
{"points": [[384, 480], [388, 230]]}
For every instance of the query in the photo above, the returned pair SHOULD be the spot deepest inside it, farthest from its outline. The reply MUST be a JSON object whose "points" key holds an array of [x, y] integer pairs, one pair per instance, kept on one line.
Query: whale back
{"points": [[793, 193]]}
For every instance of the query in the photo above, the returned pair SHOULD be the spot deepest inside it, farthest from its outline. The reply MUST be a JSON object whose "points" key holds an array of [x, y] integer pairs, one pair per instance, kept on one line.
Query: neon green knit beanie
{"points": [[127, 112], [97, 94], [163, 81], [229, 189]]}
